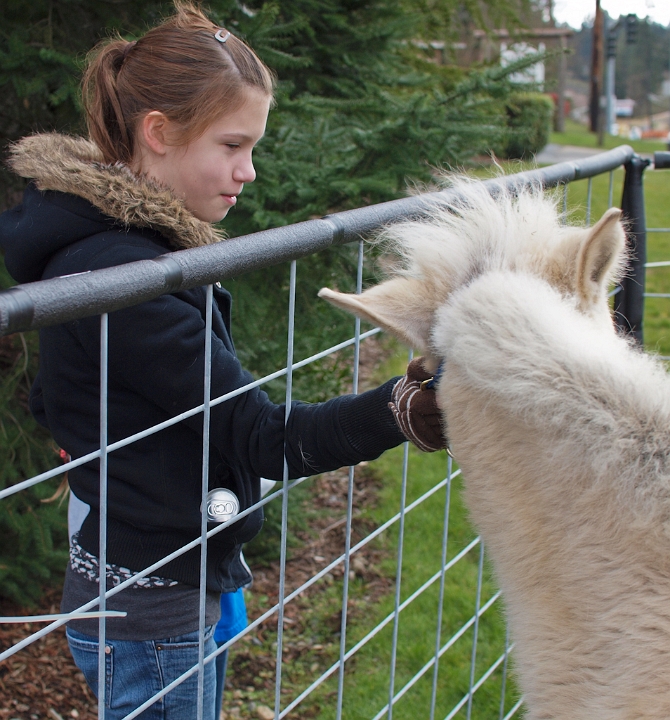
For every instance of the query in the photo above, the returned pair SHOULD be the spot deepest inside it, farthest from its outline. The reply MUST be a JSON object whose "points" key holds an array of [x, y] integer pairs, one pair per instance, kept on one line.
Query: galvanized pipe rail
{"points": [[60, 300], [50, 302]]}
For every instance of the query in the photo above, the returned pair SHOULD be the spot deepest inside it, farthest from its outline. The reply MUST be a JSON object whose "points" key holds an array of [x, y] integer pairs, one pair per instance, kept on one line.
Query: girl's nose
{"points": [[245, 171]]}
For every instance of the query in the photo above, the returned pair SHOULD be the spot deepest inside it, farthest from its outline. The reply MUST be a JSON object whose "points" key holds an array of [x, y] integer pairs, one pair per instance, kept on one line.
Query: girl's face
{"points": [[210, 172]]}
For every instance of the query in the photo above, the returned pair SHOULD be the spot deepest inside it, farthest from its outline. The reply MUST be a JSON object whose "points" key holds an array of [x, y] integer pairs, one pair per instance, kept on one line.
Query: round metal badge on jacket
{"points": [[222, 505]]}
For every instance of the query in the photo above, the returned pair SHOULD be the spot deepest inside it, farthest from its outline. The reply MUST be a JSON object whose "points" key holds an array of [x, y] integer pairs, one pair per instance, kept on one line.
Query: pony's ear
{"points": [[395, 305], [599, 255]]}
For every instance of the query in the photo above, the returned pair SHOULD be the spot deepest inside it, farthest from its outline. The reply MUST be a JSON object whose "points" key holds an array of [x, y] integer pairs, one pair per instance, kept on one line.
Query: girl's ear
{"points": [[153, 130], [599, 255], [399, 306]]}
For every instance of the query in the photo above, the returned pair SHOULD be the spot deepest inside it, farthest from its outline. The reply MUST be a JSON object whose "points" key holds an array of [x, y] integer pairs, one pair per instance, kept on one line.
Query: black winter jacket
{"points": [[156, 367]]}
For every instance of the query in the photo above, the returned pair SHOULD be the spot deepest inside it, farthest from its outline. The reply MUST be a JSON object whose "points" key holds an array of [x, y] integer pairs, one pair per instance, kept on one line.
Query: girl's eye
{"points": [[232, 146]]}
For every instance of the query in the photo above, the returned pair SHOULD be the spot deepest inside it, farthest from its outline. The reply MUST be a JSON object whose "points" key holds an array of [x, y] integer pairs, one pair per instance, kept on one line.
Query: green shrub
{"points": [[528, 125], [33, 534]]}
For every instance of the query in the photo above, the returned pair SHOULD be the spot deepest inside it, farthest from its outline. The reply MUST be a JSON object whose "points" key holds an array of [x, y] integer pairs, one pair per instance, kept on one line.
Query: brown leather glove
{"points": [[415, 409]]}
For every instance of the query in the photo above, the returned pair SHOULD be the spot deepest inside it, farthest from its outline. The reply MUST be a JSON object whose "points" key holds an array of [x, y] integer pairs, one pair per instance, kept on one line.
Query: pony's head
{"points": [[477, 229]]}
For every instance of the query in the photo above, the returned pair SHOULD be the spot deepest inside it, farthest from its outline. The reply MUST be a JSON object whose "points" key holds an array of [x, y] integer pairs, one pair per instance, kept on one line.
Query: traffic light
{"points": [[611, 43], [631, 29]]}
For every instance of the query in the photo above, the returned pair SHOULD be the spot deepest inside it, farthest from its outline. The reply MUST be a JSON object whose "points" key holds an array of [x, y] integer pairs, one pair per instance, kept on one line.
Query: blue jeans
{"points": [[137, 670], [221, 666]]}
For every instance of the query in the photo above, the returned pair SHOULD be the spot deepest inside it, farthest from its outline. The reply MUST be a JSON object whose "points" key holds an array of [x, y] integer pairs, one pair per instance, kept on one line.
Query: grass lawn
{"points": [[368, 676], [577, 134], [368, 672], [367, 684]]}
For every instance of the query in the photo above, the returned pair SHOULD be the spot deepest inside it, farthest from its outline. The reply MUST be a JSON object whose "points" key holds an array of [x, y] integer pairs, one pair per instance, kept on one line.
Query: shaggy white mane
{"points": [[471, 231], [476, 228]]}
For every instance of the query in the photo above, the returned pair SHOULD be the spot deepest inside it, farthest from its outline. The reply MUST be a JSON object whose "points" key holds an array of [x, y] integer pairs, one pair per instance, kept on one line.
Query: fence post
{"points": [[629, 301]]}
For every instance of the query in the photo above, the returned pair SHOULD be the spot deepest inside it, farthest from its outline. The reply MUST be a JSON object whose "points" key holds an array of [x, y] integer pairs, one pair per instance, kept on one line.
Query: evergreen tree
{"points": [[360, 114], [33, 533], [642, 66]]}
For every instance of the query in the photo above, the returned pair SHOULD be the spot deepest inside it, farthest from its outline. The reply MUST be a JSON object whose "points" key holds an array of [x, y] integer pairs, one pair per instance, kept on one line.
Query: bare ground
{"points": [[42, 681]]}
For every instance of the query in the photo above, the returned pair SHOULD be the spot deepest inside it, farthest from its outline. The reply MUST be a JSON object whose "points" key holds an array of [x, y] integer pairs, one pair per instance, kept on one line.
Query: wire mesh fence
{"points": [[424, 682]]}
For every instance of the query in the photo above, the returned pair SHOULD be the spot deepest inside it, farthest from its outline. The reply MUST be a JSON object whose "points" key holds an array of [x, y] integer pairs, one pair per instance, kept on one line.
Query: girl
{"points": [[173, 118]]}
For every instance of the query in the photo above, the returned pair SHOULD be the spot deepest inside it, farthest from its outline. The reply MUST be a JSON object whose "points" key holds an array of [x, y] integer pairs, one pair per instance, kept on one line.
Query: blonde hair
{"points": [[178, 68]]}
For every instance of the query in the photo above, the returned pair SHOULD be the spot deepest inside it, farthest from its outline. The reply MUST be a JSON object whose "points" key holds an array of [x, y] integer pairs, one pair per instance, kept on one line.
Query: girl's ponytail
{"points": [[107, 125], [178, 68]]}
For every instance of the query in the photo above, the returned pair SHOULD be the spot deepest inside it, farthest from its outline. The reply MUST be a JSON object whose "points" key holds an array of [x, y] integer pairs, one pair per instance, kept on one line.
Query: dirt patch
{"points": [[42, 680], [312, 621]]}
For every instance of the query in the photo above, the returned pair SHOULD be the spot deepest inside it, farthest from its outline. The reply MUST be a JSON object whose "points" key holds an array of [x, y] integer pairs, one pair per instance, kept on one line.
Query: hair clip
{"points": [[220, 38]]}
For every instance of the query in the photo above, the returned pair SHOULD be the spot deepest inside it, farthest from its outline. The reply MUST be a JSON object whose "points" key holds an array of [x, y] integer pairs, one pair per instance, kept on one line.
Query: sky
{"points": [[574, 12]]}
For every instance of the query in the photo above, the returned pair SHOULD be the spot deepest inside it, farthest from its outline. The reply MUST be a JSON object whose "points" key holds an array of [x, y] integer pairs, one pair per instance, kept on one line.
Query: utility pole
{"points": [[596, 71], [612, 30], [562, 71]]}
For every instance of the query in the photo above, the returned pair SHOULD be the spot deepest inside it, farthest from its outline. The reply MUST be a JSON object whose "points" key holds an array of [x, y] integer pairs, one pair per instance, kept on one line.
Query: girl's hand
{"points": [[415, 409]]}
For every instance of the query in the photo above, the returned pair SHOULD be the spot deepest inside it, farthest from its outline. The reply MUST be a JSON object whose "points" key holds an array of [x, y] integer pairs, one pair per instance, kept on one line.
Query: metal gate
{"points": [[103, 291]]}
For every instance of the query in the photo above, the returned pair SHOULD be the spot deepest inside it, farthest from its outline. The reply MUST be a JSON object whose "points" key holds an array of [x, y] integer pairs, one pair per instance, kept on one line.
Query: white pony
{"points": [[562, 430]]}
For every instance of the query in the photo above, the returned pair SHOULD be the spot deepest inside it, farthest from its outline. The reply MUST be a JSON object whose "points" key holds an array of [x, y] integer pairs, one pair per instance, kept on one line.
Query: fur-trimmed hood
{"points": [[74, 165]]}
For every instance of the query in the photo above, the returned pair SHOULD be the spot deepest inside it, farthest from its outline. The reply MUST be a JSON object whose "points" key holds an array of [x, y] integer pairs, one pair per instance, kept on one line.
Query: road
{"points": [[554, 153]]}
